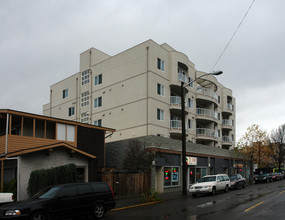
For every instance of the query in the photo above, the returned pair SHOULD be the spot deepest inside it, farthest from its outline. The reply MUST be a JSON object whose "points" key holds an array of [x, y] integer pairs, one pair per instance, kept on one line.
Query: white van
{"points": [[211, 184]]}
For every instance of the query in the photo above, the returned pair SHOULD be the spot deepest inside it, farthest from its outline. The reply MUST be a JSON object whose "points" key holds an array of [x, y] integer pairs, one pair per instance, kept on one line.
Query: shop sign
{"points": [[191, 161], [238, 165]]}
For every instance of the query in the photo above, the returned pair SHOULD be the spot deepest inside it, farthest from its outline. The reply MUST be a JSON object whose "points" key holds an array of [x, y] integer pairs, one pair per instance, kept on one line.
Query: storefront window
{"points": [[171, 176], [196, 173]]}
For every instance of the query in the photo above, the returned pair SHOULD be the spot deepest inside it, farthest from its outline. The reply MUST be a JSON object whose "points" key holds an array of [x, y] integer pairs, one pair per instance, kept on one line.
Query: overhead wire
{"points": [[232, 36]]}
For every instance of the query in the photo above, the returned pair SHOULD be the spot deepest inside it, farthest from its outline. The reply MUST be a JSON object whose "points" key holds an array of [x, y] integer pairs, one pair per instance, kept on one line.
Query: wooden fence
{"points": [[128, 184]]}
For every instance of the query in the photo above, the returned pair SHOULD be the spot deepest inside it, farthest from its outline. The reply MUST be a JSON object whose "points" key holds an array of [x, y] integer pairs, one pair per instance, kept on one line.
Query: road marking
{"points": [[133, 206], [253, 206], [282, 192]]}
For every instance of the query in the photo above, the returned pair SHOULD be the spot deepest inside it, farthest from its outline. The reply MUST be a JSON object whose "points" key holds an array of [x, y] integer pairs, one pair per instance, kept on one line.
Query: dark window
{"points": [[100, 187], [84, 189], [68, 191], [71, 111]]}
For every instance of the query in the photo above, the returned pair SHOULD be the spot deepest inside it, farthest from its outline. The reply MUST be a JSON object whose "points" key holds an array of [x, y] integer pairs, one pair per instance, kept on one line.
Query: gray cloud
{"points": [[40, 43]]}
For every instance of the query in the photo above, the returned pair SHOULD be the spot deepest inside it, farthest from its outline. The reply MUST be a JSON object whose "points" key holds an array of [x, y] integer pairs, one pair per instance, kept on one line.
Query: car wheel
{"points": [[226, 188], [99, 211], [194, 195], [243, 185], [38, 215], [214, 190], [267, 180]]}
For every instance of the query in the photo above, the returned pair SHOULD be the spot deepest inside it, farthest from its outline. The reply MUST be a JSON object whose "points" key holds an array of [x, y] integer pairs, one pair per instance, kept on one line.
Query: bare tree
{"points": [[277, 144], [137, 157]]}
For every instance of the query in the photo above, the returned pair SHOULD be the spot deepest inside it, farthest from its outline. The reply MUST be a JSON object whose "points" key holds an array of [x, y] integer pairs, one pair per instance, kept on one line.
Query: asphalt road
{"points": [[261, 201]]}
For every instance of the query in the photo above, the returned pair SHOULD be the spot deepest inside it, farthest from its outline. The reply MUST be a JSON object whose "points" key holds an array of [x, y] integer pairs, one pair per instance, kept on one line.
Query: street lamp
{"points": [[184, 165]]}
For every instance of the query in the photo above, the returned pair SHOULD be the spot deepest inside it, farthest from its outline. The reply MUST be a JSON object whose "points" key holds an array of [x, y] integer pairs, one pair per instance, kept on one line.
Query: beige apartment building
{"points": [[137, 92]]}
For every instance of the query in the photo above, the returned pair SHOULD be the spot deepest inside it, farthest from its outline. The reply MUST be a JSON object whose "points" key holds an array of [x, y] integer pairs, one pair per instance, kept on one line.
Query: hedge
{"points": [[39, 179]]}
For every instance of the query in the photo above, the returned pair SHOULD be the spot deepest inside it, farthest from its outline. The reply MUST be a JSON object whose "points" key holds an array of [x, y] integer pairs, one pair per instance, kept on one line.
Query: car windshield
{"points": [[233, 177], [207, 179], [47, 193]]}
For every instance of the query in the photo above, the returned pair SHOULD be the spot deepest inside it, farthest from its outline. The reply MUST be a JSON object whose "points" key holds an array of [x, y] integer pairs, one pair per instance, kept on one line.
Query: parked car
{"points": [[237, 181], [63, 201], [263, 178], [274, 176], [281, 176], [6, 198], [211, 184]]}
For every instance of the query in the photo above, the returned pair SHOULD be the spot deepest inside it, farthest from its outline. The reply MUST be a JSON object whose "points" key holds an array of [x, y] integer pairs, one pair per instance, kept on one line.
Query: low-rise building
{"points": [[31, 142], [166, 168]]}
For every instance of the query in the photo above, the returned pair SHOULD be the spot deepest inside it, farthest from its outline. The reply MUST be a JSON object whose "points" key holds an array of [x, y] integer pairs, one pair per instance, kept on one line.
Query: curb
{"points": [[133, 206]]}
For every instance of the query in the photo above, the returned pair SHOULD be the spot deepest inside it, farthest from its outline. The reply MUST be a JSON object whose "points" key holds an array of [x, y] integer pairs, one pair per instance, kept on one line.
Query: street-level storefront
{"points": [[167, 169]]}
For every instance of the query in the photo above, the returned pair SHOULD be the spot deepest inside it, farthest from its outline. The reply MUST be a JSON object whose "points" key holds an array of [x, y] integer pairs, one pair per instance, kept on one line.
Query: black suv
{"points": [[62, 201]]}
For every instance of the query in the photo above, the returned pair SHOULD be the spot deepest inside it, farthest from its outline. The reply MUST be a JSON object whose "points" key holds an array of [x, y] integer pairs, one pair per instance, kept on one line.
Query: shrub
{"points": [[39, 179]]}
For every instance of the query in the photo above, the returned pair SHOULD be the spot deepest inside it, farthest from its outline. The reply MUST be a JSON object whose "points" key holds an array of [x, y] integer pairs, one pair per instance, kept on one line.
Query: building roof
{"points": [[169, 145], [46, 147], [15, 112]]}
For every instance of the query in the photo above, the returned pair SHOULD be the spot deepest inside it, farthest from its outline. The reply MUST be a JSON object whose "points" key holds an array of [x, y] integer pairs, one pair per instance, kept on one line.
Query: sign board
{"points": [[191, 161]]}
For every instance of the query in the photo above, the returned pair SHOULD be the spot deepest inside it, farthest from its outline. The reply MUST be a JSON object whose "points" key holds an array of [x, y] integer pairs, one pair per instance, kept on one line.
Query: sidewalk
{"points": [[128, 202]]}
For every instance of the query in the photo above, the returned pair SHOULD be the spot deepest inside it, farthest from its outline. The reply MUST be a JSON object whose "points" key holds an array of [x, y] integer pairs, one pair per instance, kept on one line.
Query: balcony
{"points": [[208, 94], [229, 110], [175, 125], [208, 134], [206, 114], [175, 101], [227, 124], [175, 105], [230, 107], [227, 140]]}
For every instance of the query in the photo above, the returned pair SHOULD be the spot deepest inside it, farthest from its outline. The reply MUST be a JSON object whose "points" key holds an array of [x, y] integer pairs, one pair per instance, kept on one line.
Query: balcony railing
{"points": [[184, 78], [175, 100], [208, 92], [230, 107], [228, 122], [227, 139], [175, 124], [207, 113], [207, 132]]}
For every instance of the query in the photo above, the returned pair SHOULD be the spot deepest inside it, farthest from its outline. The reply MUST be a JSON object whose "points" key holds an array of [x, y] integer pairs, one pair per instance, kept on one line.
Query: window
{"points": [[160, 64], [85, 77], [71, 111], [190, 80], [160, 89], [98, 80], [68, 191], [160, 114], [189, 124], [98, 122], [190, 103], [64, 93], [98, 102], [84, 98], [171, 176], [84, 117], [65, 132]]}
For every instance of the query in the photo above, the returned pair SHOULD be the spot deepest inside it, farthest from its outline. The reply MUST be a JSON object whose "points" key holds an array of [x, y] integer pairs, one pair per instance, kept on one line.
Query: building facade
{"points": [[31, 142], [166, 169], [137, 92]]}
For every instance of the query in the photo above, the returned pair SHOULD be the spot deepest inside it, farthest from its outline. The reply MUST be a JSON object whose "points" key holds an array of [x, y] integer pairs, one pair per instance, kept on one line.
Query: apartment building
{"points": [[137, 92]]}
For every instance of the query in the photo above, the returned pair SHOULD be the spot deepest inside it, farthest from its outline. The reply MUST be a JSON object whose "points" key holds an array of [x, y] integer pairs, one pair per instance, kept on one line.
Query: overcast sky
{"points": [[40, 43]]}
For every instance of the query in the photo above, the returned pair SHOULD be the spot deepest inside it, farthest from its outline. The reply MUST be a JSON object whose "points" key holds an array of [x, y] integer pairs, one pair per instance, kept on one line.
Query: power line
{"points": [[232, 36]]}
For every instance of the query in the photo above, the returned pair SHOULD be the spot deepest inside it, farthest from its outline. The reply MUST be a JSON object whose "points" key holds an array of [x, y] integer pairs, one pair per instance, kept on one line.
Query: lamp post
{"points": [[184, 165]]}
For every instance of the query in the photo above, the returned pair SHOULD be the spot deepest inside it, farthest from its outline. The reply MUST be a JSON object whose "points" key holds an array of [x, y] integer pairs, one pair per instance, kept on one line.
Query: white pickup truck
{"points": [[6, 198]]}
